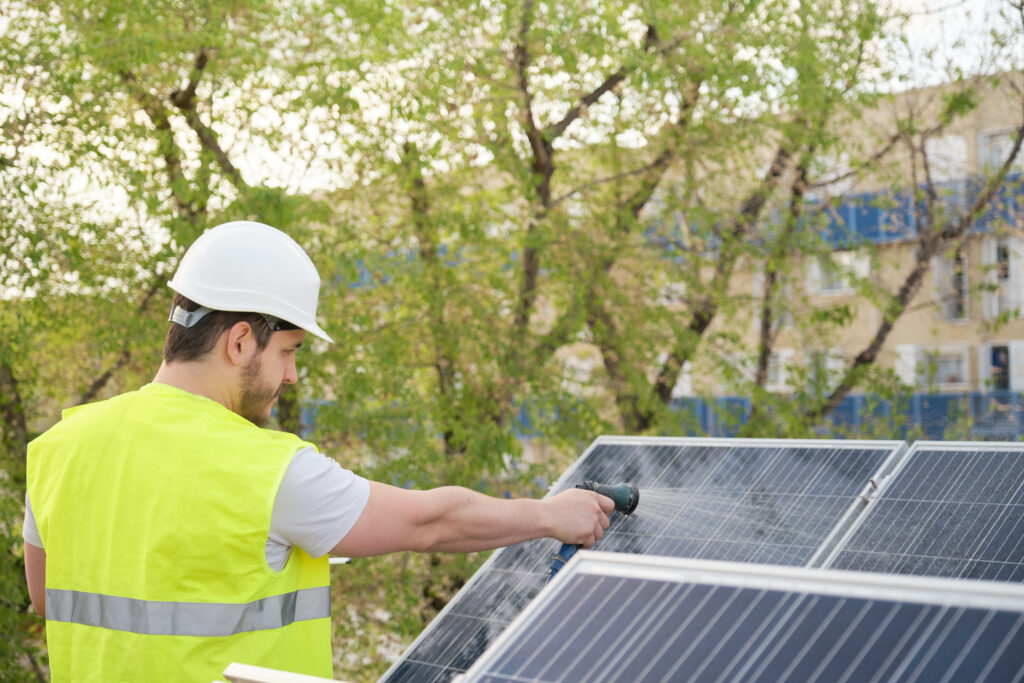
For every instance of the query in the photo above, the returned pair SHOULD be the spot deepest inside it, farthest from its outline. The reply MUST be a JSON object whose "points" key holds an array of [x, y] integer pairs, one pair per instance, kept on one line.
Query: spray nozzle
{"points": [[626, 496]]}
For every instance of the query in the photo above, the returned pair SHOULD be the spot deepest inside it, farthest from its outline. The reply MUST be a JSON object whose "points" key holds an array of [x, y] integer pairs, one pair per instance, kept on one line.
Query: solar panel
{"points": [[750, 500], [620, 617], [949, 509]]}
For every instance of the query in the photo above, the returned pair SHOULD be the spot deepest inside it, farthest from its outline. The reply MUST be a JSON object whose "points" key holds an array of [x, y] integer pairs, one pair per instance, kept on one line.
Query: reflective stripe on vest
{"points": [[163, 618]]}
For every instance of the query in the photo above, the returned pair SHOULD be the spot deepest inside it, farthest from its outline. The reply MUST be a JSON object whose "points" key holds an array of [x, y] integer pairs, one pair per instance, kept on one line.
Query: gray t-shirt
{"points": [[317, 503]]}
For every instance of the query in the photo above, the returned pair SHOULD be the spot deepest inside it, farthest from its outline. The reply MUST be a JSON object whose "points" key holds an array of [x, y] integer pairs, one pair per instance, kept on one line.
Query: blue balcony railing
{"points": [[890, 215]]}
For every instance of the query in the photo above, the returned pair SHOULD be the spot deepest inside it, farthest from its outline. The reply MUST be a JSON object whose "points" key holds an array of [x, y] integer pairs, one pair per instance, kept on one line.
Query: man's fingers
{"points": [[583, 522]]}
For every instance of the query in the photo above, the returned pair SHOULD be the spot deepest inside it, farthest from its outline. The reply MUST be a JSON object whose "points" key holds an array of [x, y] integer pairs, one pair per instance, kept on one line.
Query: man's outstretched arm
{"points": [[454, 519]]}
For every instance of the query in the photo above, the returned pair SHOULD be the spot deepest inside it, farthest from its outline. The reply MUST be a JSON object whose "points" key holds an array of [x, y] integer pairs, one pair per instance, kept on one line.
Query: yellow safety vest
{"points": [[154, 509]]}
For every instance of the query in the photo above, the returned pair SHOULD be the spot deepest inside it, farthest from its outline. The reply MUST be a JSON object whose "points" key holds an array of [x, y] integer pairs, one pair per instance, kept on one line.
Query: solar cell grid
{"points": [[767, 501], [745, 502], [953, 510], [691, 621]]}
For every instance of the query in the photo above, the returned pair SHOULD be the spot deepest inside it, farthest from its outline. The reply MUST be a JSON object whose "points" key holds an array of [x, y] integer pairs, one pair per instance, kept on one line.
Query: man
{"points": [[168, 534]]}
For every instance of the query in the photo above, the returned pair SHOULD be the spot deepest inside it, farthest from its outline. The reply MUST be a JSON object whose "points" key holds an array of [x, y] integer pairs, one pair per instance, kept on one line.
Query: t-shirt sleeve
{"points": [[317, 503], [29, 530]]}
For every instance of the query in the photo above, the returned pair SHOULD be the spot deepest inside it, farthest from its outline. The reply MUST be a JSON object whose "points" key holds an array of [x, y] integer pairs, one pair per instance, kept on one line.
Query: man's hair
{"points": [[190, 343]]}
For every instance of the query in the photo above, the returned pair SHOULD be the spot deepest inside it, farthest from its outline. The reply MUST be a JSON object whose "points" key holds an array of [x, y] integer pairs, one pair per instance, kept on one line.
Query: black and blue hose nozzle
{"points": [[626, 497]]}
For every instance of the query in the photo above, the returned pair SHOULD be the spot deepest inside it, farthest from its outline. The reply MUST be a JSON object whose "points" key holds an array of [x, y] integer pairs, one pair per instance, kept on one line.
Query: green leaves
{"points": [[533, 221], [957, 103]]}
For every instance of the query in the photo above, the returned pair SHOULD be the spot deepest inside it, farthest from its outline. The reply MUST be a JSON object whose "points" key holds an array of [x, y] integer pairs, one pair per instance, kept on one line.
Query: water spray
{"points": [[626, 497]]}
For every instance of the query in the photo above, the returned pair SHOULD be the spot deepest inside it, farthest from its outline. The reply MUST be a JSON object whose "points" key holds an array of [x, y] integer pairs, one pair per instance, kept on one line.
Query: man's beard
{"points": [[257, 397]]}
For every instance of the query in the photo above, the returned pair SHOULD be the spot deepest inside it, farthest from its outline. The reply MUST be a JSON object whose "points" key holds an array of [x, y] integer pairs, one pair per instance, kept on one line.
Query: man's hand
{"points": [[579, 516]]}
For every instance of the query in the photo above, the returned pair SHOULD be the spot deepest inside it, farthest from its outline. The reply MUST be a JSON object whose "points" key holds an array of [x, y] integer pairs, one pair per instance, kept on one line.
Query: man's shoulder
{"points": [[284, 438], [70, 417]]}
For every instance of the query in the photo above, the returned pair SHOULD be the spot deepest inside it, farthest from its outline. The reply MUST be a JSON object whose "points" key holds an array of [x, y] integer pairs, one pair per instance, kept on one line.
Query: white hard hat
{"points": [[249, 267]]}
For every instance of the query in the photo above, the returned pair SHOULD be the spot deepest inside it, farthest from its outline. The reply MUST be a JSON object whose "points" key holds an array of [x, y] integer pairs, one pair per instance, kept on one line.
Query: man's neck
{"points": [[195, 377]]}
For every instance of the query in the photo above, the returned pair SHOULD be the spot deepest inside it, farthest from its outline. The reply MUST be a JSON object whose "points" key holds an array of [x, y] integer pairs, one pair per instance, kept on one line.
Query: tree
{"points": [[111, 164], [529, 216], [904, 155]]}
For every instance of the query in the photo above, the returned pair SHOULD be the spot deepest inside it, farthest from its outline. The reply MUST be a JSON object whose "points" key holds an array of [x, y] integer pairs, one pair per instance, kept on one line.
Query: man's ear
{"points": [[240, 343]]}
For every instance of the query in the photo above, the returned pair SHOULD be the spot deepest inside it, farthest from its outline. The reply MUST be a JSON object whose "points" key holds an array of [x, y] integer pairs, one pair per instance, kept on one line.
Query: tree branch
{"points": [[13, 429], [188, 209], [442, 362], [185, 102], [541, 144], [650, 45], [768, 329], [636, 417], [705, 309], [930, 243], [542, 167], [878, 155], [640, 170]]}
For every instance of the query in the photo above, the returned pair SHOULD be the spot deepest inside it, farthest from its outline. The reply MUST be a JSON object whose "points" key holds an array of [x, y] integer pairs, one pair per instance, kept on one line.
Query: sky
{"points": [[958, 31]]}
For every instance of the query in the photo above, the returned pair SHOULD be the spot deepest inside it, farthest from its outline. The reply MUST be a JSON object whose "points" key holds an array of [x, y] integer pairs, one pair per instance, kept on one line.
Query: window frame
{"points": [[924, 381]]}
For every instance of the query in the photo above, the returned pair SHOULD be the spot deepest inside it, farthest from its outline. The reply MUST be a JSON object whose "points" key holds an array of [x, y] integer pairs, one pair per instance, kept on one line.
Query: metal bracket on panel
{"points": [[871, 490]]}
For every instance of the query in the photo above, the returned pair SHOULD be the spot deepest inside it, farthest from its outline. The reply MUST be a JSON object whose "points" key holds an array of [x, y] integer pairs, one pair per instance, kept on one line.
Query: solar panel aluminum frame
{"points": [[570, 477], [859, 507], [889, 477], [989, 595], [605, 440]]}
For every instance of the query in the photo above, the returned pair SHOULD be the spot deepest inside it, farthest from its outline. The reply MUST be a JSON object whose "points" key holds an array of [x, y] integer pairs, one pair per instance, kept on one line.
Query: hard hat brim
{"points": [[308, 325]]}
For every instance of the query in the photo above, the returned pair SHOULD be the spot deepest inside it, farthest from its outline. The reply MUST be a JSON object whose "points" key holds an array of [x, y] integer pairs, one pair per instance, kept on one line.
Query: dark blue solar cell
{"points": [[613, 628], [418, 672]]}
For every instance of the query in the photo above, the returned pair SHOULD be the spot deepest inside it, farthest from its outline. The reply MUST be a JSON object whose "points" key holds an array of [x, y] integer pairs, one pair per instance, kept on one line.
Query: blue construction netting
{"points": [[977, 416]]}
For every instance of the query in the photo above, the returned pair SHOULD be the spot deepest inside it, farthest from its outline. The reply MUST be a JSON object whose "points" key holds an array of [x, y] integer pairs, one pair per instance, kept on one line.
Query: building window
{"points": [[999, 368], [957, 308], [994, 147], [942, 367], [950, 277], [832, 280], [1003, 261], [1003, 275], [777, 378], [947, 157], [836, 273], [1003, 292], [742, 369], [824, 369]]}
